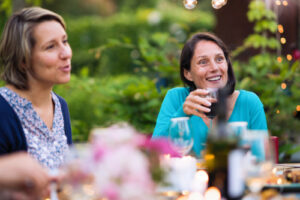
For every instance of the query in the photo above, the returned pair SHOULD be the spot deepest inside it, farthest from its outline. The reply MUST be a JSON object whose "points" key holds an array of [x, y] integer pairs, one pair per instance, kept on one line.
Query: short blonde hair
{"points": [[17, 42]]}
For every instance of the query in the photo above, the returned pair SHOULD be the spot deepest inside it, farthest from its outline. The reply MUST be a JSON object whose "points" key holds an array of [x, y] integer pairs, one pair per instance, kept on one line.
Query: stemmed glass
{"points": [[180, 135], [212, 96]]}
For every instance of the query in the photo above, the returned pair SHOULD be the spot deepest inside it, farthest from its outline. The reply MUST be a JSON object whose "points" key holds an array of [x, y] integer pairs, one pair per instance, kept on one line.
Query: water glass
{"points": [[259, 160], [238, 128], [258, 142]]}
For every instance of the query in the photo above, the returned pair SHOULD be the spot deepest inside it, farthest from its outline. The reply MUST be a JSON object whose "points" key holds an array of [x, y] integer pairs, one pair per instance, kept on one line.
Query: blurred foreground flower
{"points": [[296, 54], [123, 164]]}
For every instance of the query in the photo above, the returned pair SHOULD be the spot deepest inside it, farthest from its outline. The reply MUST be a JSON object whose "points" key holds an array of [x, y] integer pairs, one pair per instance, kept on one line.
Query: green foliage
{"points": [[94, 39], [264, 75], [7, 5], [159, 56], [101, 102]]}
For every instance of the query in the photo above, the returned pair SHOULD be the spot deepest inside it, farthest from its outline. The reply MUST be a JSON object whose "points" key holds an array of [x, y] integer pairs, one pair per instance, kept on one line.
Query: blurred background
{"points": [[126, 54]]}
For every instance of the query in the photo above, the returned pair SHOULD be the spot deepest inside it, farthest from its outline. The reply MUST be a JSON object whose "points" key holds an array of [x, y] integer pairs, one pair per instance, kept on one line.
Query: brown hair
{"points": [[17, 42]]}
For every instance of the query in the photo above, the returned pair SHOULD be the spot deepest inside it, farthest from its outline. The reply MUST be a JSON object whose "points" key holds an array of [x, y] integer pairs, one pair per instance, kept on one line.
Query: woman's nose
{"points": [[214, 65], [66, 52]]}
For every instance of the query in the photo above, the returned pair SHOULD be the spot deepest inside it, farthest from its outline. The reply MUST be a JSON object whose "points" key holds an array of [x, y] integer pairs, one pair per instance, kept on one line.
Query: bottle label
{"points": [[236, 180]]}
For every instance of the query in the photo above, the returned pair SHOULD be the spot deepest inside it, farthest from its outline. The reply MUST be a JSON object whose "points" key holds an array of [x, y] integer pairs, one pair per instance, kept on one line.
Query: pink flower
{"points": [[98, 152], [161, 145], [111, 192]]}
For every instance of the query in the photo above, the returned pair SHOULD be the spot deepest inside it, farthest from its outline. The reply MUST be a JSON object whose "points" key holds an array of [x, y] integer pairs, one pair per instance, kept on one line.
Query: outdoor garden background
{"points": [[126, 56]]}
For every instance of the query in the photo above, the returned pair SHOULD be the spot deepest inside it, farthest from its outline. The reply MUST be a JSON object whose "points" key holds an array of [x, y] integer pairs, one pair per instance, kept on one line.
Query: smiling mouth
{"points": [[215, 78]]}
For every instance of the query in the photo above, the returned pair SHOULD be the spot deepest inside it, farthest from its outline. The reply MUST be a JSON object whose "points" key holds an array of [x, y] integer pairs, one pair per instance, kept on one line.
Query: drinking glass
{"points": [[238, 127], [180, 135], [259, 160], [78, 181], [53, 185], [212, 96]]}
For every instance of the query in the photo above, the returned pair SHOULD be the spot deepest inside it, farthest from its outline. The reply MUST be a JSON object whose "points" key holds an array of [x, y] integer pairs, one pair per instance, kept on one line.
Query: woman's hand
{"points": [[196, 103], [23, 175]]}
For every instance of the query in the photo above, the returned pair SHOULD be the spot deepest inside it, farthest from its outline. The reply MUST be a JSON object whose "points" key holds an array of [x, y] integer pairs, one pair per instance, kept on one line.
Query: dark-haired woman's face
{"points": [[208, 66]]}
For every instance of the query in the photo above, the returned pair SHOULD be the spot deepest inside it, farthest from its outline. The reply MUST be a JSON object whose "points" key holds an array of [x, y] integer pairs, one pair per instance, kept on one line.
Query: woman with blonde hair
{"points": [[35, 55]]}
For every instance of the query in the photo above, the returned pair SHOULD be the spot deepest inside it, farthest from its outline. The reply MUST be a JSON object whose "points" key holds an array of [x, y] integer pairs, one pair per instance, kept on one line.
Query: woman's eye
{"points": [[203, 62], [65, 41], [220, 59], [51, 46]]}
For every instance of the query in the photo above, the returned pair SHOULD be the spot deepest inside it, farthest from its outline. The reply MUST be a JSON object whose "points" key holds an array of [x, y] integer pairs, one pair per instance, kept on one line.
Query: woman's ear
{"points": [[187, 74]]}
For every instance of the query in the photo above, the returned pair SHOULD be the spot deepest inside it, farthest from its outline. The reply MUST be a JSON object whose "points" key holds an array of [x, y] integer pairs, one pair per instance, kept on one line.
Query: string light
{"points": [[282, 40], [279, 59], [278, 2], [289, 57], [217, 4], [190, 4], [285, 3], [280, 28], [298, 108], [277, 111], [283, 86]]}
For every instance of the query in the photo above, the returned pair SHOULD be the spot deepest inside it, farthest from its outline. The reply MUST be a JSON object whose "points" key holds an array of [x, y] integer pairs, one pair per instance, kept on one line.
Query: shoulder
{"points": [[180, 91], [61, 100], [177, 94], [5, 109], [249, 96], [250, 100]]}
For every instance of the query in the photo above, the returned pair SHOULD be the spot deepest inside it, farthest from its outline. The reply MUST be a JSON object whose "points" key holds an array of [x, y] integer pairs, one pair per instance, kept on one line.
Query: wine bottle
{"points": [[222, 154]]}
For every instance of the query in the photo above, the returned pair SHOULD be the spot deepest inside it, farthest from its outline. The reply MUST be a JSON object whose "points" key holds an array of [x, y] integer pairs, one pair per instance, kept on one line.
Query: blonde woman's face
{"points": [[51, 55]]}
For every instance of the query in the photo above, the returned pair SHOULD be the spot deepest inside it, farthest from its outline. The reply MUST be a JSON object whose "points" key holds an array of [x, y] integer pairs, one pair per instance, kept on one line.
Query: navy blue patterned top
{"points": [[49, 147]]}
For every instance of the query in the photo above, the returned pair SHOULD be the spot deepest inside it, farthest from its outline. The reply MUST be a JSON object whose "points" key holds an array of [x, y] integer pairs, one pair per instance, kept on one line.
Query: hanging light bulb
{"points": [[190, 4], [217, 4]]}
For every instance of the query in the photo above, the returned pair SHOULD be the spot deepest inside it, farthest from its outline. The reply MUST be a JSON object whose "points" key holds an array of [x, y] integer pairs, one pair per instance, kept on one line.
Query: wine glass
{"points": [[180, 135], [212, 96]]}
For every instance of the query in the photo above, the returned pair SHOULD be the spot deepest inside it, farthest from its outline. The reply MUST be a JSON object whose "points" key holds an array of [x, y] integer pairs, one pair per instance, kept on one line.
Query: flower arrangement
{"points": [[118, 164]]}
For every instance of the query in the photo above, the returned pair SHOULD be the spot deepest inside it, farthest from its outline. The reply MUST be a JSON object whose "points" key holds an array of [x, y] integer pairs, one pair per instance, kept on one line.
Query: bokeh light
{"points": [[289, 57], [190, 4], [280, 28], [282, 40], [279, 59], [283, 86], [285, 3], [217, 4], [278, 2]]}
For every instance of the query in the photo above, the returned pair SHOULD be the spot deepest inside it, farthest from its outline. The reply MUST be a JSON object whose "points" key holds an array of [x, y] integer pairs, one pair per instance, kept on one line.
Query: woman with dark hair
{"points": [[35, 55], [204, 64]]}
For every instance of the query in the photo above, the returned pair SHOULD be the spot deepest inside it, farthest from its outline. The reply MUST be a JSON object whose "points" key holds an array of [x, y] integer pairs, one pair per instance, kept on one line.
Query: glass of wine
{"points": [[212, 96], [180, 135]]}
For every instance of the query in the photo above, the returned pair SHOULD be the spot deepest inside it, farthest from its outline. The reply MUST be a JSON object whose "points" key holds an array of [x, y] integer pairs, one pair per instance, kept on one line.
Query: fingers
{"points": [[35, 177], [196, 103]]}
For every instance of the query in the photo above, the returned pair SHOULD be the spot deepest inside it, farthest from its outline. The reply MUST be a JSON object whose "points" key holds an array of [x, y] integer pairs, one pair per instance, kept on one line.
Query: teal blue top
{"points": [[248, 107]]}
